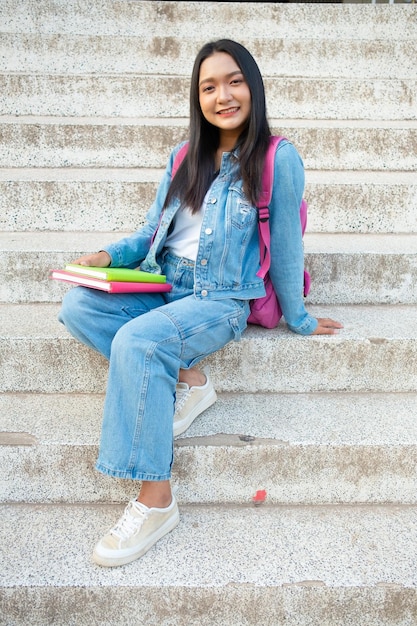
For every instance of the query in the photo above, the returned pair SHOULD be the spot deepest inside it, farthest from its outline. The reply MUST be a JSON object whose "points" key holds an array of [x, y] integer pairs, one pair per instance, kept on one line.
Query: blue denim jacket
{"points": [[228, 253]]}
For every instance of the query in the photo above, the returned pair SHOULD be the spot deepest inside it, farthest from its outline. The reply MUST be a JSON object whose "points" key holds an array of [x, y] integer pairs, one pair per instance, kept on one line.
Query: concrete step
{"points": [[268, 565], [331, 145], [268, 20], [348, 269], [121, 95], [376, 351], [295, 56], [301, 448], [345, 268], [67, 199]]}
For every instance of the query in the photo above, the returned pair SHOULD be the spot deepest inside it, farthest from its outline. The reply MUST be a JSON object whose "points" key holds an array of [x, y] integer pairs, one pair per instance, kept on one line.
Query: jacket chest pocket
{"points": [[242, 212]]}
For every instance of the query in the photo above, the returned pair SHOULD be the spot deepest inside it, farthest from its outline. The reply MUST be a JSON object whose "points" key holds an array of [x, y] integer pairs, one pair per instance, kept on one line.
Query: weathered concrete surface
{"points": [[301, 448], [38, 199], [301, 565], [327, 145], [118, 95], [376, 351]]}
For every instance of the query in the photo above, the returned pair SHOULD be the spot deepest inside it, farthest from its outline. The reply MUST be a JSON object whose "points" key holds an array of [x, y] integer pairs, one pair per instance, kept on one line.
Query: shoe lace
{"points": [[181, 396], [128, 524]]}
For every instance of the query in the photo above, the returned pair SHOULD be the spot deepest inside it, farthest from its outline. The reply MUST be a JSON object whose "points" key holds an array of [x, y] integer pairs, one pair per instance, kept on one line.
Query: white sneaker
{"points": [[135, 532], [190, 402]]}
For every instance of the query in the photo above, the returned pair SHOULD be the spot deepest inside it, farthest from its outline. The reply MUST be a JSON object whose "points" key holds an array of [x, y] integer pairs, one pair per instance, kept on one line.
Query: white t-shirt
{"points": [[185, 235]]}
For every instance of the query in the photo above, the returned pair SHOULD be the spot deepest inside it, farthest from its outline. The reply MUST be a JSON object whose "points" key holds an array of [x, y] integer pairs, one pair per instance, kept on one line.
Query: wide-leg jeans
{"points": [[147, 339]]}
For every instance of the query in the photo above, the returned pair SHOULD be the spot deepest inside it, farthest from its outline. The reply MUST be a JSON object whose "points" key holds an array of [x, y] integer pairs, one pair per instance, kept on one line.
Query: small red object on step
{"points": [[259, 497]]}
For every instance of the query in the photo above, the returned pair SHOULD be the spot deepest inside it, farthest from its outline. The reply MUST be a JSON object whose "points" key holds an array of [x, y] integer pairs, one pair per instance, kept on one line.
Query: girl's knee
{"points": [[149, 334]]}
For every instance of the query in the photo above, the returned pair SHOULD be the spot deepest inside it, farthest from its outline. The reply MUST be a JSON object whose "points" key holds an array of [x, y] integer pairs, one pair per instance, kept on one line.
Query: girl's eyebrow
{"points": [[212, 80]]}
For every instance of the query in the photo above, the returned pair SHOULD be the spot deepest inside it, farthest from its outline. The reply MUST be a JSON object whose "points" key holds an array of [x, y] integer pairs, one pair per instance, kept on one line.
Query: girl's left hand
{"points": [[98, 259], [327, 326]]}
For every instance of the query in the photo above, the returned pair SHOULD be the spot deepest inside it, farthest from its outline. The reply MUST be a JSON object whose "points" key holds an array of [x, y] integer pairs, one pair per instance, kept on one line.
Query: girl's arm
{"points": [[287, 254]]}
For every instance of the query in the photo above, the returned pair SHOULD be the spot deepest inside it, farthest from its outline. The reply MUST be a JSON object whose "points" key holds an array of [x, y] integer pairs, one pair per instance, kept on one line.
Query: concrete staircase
{"points": [[94, 95]]}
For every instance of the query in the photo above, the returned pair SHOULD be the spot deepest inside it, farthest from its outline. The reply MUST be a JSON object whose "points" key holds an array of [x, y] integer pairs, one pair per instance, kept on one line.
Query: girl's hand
{"points": [[327, 326], [98, 259]]}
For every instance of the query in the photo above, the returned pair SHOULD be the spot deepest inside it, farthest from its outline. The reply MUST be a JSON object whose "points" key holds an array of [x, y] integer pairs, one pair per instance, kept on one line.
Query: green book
{"points": [[119, 274]]}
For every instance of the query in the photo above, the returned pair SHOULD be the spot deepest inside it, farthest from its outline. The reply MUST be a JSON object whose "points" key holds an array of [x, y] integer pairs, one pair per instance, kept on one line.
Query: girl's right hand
{"points": [[98, 259], [327, 326]]}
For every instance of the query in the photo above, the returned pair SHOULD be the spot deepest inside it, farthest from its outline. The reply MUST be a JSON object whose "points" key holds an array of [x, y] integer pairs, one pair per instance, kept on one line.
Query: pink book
{"points": [[111, 286]]}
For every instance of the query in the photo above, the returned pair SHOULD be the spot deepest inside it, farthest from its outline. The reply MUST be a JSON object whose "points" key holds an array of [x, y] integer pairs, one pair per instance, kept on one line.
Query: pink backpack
{"points": [[265, 311]]}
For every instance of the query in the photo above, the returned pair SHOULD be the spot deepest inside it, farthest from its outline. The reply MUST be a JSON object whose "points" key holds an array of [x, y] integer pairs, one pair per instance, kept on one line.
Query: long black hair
{"points": [[195, 174]]}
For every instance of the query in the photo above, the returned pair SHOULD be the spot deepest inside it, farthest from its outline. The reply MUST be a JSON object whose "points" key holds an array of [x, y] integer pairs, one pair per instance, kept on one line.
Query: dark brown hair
{"points": [[195, 174]]}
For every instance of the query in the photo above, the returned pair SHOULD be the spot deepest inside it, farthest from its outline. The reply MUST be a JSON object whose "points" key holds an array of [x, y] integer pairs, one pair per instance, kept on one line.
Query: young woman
{"points": [[206, 243]]}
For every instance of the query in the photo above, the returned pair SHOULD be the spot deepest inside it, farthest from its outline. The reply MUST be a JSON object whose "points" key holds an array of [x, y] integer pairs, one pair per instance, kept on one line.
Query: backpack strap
{"points": [[179, 157], [263, 206]]}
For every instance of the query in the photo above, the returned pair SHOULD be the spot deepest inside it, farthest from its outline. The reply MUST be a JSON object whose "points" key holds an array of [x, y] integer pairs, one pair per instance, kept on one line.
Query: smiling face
{"points": [[224, 96]]}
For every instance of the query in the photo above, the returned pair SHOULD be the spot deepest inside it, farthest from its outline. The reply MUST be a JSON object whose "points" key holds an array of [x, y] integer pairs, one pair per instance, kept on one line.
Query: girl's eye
{"points": [[208, 88]]}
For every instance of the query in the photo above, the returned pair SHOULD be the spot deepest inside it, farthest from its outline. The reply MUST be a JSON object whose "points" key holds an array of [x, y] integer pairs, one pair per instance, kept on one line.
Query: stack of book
{"points": [[111, 279]]}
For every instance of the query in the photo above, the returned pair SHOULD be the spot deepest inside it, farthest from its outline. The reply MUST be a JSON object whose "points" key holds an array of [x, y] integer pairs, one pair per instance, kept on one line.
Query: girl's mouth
{"points": [[231, 111]]}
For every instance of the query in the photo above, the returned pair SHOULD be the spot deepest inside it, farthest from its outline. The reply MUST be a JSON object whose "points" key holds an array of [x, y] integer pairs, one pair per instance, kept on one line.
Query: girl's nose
{"points": [[224, 93]]}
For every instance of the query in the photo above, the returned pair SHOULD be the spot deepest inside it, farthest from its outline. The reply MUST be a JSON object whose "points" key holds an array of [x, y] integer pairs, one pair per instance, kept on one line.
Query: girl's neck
{"points": [[223, 147], [218, 159], [227, 140]]}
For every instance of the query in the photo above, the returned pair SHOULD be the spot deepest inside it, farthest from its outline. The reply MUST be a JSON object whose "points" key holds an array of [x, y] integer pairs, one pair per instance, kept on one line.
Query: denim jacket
{"points": [[228, 253]]}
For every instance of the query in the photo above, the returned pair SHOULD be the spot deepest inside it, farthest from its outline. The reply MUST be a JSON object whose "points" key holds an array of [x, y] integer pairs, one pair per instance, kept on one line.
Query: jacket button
{"points": [[204, 292], [213, 200], [204, 261], [208, 231]]}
